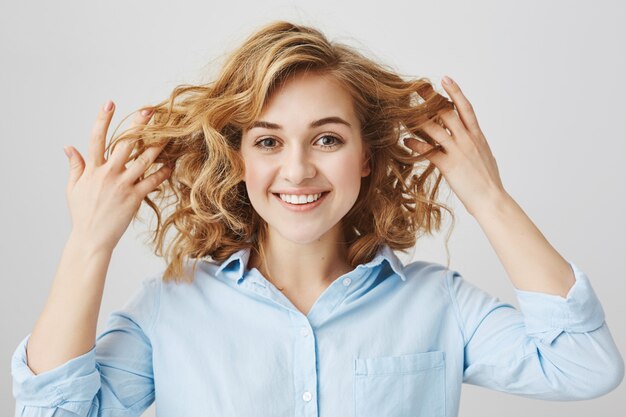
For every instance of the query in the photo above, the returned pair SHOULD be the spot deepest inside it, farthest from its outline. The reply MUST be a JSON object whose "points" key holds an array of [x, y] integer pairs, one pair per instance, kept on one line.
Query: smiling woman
{"points": [[282, 294], [251, 126]]}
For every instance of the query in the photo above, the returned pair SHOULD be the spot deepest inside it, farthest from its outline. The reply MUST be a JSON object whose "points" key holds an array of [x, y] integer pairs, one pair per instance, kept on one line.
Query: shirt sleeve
{"points": [[114, 378], [555, 348]]}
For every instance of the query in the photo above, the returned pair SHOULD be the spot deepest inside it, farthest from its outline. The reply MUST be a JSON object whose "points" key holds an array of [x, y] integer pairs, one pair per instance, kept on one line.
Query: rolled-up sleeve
{"points": [[115, 377], [555, 348]]}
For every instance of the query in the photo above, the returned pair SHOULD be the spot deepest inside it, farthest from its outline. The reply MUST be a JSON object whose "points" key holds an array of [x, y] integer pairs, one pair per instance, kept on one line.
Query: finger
{"points": [[139, 166], [454, 124], [422, 148], [464, 107], [152, 181], [77, 165], [98, 134], [142, 117], [120, 154], [122, 150], [438, 133]]}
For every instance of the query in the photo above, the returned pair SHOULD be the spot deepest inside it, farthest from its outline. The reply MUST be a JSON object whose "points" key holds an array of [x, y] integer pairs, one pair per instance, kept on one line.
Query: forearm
{"points": [[528, 258], [67, 326]]}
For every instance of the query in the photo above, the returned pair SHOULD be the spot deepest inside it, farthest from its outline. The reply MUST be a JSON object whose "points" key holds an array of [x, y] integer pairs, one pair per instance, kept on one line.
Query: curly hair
{"points": [[201, 127]]}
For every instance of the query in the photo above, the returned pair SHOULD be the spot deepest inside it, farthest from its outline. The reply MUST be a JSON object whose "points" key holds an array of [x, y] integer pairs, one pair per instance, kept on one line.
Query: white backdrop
{"points": [[546, 80]]}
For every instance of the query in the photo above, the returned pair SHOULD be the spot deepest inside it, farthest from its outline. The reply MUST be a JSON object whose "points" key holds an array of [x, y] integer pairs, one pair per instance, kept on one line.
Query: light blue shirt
{"points": [[382, 340]]}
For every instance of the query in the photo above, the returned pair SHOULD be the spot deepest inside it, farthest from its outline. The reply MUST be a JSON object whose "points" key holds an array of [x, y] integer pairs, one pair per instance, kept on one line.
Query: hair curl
{"points": [[201, 127]]}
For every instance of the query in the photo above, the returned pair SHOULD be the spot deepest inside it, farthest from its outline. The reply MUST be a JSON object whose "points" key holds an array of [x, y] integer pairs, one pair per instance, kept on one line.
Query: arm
{"points": [[554, 349], [472, 173], [55, 367], [67, 329], [115, 377], [95, 190], [530, 261], [559, 346]]}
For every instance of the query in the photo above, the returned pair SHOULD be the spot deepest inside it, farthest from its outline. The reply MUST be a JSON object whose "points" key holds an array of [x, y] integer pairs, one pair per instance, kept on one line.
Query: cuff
{"points": [[549, 315], [77, 380]]}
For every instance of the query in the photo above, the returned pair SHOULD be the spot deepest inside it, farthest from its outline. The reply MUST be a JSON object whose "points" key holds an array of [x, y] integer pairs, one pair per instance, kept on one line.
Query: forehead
{"points": [[309, 95]]}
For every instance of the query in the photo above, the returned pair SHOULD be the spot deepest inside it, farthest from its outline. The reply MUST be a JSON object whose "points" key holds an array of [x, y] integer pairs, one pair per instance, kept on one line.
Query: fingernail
{"points": [[108, 105], [146, 112], [447, 80], [67, 151]]}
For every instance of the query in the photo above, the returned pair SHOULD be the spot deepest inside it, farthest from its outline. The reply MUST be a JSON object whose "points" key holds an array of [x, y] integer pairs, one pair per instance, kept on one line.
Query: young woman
{"points": [[295, 176]]}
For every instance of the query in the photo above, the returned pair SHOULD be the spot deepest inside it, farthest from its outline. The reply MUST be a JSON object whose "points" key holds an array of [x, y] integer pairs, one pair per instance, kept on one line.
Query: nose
{"points": [[297, 165]]}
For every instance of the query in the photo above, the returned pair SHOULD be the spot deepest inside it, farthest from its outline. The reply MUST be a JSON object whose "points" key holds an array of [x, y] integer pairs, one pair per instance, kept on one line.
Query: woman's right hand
{"points": [[103, 195]]}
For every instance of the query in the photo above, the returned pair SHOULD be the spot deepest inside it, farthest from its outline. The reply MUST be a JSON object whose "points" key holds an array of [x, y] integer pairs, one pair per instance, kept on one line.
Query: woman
{"points": [[292, 188]]}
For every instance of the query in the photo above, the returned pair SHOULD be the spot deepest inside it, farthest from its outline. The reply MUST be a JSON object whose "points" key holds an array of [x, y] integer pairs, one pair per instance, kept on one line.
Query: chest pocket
{"points": [[400, 386]]}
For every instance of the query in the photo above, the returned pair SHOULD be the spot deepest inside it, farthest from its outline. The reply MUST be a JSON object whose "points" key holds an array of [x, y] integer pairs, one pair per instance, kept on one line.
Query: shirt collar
{"points": [[235, 266]]}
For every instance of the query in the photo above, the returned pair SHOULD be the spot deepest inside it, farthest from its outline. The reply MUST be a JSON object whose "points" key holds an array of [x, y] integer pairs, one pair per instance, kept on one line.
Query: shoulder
{"points": [[430, 279], [196, 279], [427, 273]]}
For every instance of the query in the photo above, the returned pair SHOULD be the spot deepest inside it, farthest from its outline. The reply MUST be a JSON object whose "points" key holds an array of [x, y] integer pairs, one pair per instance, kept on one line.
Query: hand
{"points": [[467, 164], [103, 195]]}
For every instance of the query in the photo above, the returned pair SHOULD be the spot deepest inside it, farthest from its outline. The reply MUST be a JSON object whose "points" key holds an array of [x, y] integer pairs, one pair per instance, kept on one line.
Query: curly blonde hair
{"points": [[201, 127]]}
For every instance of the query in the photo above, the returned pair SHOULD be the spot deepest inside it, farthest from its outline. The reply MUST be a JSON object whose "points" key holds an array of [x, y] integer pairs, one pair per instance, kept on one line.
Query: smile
{"points": [[304, 206], [300, 199]]}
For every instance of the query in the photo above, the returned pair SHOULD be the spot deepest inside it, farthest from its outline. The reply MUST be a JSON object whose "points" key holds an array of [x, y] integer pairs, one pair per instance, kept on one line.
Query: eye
{"points": [[337, 141], [266, 147], [258, 144]]}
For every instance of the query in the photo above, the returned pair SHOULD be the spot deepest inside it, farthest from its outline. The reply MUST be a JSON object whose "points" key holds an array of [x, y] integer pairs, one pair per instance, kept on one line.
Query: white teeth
{"points": [[300, 199]]}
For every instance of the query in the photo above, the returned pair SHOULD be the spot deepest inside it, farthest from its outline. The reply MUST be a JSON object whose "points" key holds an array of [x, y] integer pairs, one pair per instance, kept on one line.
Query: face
{"points": [[309, 143]]}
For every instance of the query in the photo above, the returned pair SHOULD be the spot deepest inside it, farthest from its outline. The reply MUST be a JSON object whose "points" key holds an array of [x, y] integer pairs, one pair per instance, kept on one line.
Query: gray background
{"points": [[546, 80]]}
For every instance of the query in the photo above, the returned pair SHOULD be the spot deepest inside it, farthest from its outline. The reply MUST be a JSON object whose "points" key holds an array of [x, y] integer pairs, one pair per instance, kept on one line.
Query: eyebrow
{"points": [[316, 123]]}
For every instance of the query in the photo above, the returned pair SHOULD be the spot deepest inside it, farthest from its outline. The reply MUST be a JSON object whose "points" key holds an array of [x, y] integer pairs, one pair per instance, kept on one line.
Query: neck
{"points": [[302, 267]]}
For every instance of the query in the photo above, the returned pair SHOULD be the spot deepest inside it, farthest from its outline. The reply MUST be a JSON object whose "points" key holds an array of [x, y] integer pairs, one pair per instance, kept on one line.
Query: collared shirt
{"points": [[382, 340]]}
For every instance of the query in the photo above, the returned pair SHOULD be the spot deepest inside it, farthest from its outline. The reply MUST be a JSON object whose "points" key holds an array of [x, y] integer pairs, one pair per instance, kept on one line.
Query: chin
{"points": [[301, 239], [300, 235]]}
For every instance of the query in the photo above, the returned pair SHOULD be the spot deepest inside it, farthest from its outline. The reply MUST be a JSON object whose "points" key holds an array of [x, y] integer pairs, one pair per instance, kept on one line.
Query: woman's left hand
{"points": [[468, 164]]}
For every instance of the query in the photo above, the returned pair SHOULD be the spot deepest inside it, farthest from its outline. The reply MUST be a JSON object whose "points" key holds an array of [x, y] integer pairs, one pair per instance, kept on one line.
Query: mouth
{"points": [[305, 206]]}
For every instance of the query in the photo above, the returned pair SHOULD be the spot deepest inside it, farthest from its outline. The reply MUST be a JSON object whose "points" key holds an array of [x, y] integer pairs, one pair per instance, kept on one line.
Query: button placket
{"points": [[305, 367]]}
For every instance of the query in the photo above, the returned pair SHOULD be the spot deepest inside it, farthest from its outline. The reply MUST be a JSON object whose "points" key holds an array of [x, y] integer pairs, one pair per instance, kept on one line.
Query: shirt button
{"points": [[304, 331], [346, 282], [306, 396]]}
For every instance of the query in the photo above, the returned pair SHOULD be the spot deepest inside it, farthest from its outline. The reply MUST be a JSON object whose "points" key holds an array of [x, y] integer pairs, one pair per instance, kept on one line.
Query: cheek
{"points": [[346, 168], [256, 176]]}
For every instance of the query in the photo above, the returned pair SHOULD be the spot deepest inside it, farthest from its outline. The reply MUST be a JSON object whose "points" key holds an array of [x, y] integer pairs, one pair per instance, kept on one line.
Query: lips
{"points": [[321, 195], [302, 207]]}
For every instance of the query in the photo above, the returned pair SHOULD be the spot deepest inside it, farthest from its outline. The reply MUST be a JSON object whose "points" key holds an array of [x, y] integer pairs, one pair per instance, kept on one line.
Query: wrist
{"points": [[84, 244], [494, 201]]}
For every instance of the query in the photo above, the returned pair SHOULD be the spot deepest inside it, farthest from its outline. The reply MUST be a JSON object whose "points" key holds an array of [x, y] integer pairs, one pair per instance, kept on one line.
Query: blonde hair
{"points": [[202, 127]]}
